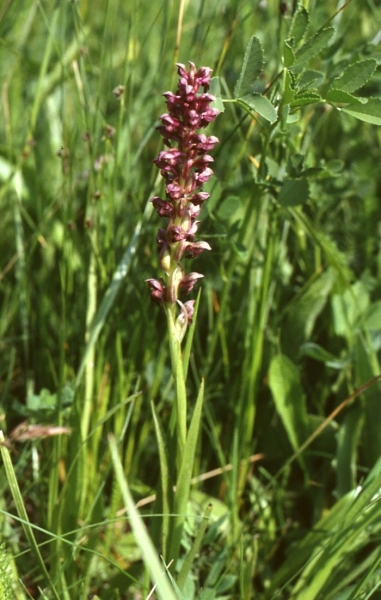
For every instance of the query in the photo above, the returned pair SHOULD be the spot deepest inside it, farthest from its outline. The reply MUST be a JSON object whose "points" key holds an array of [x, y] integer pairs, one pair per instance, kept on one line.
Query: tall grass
{"points": [[284, 499]]}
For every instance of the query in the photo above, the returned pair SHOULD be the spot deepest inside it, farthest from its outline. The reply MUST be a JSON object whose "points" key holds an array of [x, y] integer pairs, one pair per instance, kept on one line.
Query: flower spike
{"points": [[184, 165]]}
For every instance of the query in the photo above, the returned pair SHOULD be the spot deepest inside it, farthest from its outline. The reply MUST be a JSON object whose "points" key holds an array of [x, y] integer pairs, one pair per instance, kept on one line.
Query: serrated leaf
{"points": [[299, 25], [369, 112], [313, 46], [288, 93], [251, 68], [310, 77], [356, 75], [306, 98], [288, 55], [294, 192], [215, 90], [261, 105], [342, 97], [289, 398]]}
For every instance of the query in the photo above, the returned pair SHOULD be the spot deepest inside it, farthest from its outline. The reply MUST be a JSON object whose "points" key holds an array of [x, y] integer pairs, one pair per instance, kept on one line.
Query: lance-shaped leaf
{"points": [[299, 26], [261, 105], [343, 97], [310, 77], [309, 97], [313, 46], [289, 398], [356, 75], [252, 66], [369, 112]]}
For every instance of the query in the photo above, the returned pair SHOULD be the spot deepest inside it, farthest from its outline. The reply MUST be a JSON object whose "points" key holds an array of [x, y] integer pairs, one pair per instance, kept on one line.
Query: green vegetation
{"points": [[281, 362]]}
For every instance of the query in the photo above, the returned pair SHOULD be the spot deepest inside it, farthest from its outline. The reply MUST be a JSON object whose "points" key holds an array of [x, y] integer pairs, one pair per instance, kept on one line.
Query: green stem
{"points": [[178, 377]]}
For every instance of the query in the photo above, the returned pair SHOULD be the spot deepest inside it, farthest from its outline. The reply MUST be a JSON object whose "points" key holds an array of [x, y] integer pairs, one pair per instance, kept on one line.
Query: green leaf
{"points": [[190, 557], [366, 367], [344, 539], [261, 105], [348, 438], [230, 209], [289, 88], [288, 55], [313, 46], [251, 68], [310, 77], [185, 474], [111, 293], [165, 479], [318, 353], [369, 112], [356, 75], [343, 97], [215, 90], [11, 477], [149, 552], [304, 98], [289, 398], [303, 311], [299, 26], [294, 192], [373, 316]]}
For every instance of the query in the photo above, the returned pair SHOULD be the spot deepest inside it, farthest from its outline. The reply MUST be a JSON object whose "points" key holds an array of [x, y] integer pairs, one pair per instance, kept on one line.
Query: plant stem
{"points": [[178, 377]]}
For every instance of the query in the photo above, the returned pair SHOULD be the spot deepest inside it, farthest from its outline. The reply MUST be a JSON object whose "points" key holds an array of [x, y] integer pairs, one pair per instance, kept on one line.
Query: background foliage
{"points": [[289, 319]]}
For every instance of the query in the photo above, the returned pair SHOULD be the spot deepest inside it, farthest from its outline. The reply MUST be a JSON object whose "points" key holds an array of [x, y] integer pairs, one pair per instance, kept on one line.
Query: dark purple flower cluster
{"points": [[185, 167]]}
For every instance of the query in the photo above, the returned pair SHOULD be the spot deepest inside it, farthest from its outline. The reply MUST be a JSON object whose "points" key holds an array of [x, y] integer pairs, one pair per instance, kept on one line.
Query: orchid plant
{"points": [[184, 165]]}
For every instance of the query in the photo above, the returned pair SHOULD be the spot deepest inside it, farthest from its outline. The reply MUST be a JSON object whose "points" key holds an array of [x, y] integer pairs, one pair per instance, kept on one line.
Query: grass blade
{"points": [[151, 560]]}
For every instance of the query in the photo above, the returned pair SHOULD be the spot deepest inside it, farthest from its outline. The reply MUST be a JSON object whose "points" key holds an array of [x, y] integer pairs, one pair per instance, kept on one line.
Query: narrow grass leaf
{"points": [[314, 541], [165, 481], [17, 497], [149, 553], [190, 336], [348, 438], [111, 292], [365, 368], [188, 561], [185, 474], [345, 537]]}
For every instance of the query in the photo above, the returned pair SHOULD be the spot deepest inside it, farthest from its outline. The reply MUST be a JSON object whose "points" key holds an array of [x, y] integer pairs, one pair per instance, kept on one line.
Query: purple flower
{"points": [[184, 165], [157, 290]]}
